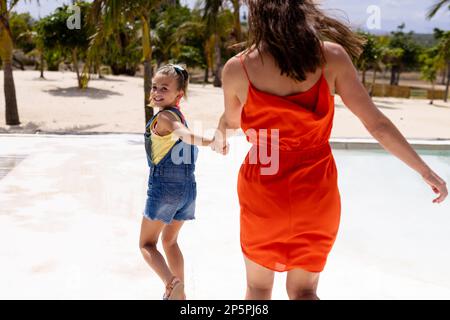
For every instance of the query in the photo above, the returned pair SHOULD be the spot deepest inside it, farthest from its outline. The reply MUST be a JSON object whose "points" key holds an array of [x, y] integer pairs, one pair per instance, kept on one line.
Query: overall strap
{"points": [[178, 113], [174, 110]]}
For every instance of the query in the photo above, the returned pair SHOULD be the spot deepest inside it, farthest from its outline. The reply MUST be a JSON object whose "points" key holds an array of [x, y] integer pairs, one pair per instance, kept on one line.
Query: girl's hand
{"points": [[220, 146], [437, 185], [206, 142]]}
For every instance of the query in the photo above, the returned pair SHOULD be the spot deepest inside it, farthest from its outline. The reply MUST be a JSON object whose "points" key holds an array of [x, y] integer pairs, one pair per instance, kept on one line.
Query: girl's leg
{"points": [[302, 285], [172, 250], [259, 281], [173, 254], [150, 231]]}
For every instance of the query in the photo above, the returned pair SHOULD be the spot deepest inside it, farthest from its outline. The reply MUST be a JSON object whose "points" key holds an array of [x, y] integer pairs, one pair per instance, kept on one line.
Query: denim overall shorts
{"points": [[172, 189]]}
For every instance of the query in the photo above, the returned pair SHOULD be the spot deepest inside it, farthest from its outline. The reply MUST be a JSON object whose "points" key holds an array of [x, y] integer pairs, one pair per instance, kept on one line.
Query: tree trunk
{"points": [[444, 76], [218, 72], [75, 66], [207, 54], [98, 65], [42, 65], [432, 92], [6, 53], [374, 79], [393, 77], [448, 82], [148, 72], [237, 20], [206, 78], [11, 112]]}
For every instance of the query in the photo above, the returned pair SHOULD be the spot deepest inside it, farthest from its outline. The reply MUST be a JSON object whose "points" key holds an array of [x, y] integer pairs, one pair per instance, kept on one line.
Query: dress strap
{"points": [[243, 66]]}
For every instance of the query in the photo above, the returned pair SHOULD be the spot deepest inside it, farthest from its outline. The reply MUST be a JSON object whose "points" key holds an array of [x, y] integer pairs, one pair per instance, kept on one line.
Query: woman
{"points": [[280, 92]]}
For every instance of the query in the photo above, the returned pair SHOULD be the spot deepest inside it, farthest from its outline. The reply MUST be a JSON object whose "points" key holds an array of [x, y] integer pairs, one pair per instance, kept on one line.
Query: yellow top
{"points": [[161, 144]]}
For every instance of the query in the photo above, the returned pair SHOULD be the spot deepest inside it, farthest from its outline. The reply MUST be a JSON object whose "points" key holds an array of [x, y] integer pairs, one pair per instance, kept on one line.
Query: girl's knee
{"points": [[168, 242], [147, 246]]}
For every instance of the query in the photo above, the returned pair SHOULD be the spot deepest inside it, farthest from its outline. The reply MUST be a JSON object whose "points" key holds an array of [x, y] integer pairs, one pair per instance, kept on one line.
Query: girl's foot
{"points": [[174, 290]]}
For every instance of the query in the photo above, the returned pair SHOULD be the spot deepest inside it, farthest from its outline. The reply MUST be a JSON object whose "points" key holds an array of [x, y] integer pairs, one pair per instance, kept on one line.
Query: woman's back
{"points": [[298, 113], [265, 75]]}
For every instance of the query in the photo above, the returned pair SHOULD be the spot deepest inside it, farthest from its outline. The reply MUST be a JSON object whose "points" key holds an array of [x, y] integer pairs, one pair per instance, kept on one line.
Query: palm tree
{"points": [[429, 68], [371, 58], [166, 34], [6, 54], [436, 7], [237, 19], [210, 16], [38, 51], [109, 13], [443, 56]]}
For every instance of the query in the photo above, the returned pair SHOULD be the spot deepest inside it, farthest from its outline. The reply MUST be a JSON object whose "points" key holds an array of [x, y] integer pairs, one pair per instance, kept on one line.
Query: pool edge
{"points": [[372, 144]]}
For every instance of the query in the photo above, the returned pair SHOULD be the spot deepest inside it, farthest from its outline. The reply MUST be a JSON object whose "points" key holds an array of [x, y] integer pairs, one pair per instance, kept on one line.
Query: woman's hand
{"points": [[437, 185], [220, 146]]}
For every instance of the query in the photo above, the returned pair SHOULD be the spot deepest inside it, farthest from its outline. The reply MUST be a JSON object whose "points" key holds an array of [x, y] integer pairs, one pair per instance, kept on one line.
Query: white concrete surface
{"points": [[70, 216]]}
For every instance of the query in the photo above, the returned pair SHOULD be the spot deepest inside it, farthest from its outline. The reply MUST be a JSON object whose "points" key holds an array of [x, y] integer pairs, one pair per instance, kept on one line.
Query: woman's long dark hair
{"points": [[292, 31]]}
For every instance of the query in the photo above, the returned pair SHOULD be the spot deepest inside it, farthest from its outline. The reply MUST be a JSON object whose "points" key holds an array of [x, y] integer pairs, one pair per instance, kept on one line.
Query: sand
{"points": [[115, 105]]}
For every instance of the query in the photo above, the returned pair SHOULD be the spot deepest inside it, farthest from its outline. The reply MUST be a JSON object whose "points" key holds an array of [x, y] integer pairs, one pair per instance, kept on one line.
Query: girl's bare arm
{"points": [[167, 124]]}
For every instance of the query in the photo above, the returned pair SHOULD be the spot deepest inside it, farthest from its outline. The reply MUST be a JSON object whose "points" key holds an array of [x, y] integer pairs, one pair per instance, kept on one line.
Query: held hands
{"points": [[437, 185], [220, 145]]}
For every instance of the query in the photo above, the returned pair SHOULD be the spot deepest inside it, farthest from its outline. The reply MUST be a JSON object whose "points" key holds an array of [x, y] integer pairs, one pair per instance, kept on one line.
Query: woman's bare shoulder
{"points": [[335, 54], [233, 64], [233, 71]]}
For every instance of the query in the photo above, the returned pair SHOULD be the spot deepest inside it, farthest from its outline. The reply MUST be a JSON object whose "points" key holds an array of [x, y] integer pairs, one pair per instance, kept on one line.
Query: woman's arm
{"points": [[167, 123], [231, 118], [356, 98]]}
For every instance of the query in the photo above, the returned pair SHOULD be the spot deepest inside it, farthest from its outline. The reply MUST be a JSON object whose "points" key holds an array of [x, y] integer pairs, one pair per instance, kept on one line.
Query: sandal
{"points": [[174, 290]]}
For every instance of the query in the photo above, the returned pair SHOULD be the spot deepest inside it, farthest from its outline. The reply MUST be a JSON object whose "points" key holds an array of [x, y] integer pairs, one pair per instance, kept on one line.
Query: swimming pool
{"points": [[392, 242], [392, 237]]}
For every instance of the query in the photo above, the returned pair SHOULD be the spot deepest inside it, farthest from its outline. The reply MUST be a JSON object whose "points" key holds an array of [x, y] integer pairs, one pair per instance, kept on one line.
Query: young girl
{"points": [[171, 153]]}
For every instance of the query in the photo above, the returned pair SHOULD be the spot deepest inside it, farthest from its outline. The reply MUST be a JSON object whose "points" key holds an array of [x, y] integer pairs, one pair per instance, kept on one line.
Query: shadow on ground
{"points": [[33, 128], [92, 93]]}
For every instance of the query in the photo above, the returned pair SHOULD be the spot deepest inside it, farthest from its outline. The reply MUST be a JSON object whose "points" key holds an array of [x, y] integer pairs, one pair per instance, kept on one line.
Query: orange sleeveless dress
{"points": [[289, 219]]}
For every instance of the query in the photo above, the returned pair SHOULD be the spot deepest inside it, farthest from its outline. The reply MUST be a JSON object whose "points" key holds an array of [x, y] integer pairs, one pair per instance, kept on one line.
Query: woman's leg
{"points": [[150, 231], [302, 285], [173, 253], [259, 281]]}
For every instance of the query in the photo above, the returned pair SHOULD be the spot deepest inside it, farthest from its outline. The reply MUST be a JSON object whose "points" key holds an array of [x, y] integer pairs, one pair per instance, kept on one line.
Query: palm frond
{"points": [[436, 7]]}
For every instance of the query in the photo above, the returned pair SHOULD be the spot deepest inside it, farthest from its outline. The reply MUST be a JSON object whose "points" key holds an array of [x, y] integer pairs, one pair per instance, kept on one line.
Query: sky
{"points": [[382, 15]]}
